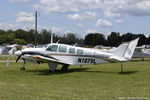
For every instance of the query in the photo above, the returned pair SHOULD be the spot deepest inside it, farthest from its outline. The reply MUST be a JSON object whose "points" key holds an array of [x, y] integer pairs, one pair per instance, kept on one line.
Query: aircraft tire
{"points": [[22, 68], [64, 68]]}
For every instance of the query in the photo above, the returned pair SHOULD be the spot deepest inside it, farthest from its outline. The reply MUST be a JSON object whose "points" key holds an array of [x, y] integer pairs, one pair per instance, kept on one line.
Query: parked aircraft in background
{"points": [[8, 49], [141, 52], [56, 53]]}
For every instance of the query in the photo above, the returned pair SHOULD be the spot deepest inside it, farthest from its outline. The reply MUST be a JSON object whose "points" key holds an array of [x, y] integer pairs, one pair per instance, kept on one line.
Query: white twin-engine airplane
{"points": [[56, 53]]}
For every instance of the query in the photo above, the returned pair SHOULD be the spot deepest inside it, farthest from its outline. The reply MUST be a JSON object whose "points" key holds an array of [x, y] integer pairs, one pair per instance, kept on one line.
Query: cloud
{"points": [[79, 25], [56, 29], [68, 31], [139, 9], [19, 0], [7, 26], [75, 17], [119, 8], [27, 27], [86, 15], [25, 17], [103, 23], [91, 31], [54, 9], [119, 21], [63, 6], [110, 14], [110, 8]]}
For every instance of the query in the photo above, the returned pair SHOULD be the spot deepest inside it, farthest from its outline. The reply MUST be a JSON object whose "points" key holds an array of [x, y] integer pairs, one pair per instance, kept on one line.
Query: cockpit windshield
{"points": [[52, 48], [45, 46]]}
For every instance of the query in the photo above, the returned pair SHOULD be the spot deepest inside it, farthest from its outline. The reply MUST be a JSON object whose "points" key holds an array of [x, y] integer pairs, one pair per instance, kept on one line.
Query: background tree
{"points": [[113, 39], [18, 41], [148, 40], [88, 39], [46, 36], [30, 36], [71, 38], [94, 39], [21, 36], [142, 40]]}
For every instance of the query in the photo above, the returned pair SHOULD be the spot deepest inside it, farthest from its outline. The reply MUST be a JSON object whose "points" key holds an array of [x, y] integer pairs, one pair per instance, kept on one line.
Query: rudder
{"points": [[126, 49]]}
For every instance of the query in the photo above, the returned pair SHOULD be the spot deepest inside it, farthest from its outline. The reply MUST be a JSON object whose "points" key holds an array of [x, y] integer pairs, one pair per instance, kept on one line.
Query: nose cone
{"points": [[18, 53]]}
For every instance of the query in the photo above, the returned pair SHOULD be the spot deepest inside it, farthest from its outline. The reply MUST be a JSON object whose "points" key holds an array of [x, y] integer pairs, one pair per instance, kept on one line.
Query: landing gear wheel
{"points": [[22, 68], [52, 71], [64, 68]]}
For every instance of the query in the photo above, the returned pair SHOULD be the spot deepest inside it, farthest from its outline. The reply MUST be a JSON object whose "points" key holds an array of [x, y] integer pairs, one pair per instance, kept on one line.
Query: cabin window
{"points": [[62, 48], [79, 51], [52, 48], [71, 50]]}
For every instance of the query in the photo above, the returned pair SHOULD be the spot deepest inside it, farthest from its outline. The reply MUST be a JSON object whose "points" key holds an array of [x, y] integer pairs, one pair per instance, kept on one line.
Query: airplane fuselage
{"points": [[66, 54]]}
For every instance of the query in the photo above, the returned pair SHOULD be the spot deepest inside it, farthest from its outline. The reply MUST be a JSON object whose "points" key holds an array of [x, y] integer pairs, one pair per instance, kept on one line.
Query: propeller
{"points": [[18, 58], [19, 54]]}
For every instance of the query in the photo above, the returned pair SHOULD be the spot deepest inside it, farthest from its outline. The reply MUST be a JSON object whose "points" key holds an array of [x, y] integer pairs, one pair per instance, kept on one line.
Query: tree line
{"points": [[114, 39], [21, 36]]}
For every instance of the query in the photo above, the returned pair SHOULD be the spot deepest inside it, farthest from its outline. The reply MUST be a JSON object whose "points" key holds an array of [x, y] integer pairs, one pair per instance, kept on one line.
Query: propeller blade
{"points": [[18, 58]]}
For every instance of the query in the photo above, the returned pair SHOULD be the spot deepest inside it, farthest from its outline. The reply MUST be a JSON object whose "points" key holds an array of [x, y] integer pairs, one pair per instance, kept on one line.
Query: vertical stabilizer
{"points": [[126, 49]]}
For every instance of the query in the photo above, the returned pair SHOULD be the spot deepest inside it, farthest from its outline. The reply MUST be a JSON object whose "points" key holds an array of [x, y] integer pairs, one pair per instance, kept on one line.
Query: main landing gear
{"points": [[64, 67], [53, 66]]}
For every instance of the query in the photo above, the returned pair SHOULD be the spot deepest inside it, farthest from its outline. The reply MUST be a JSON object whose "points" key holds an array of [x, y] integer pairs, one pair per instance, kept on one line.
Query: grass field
{"points": [[5, 57], [92, 82]]}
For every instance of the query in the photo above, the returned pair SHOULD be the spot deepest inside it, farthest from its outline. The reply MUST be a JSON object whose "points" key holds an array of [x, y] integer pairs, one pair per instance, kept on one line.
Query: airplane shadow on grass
{"points": [[139, 60], [84, 70], [127, 72], [110, 72], [46, 72]]}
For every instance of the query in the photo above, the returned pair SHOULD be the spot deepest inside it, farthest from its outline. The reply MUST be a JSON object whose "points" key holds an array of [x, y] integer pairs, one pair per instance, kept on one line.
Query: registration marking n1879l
{"points": [[86, 60]]}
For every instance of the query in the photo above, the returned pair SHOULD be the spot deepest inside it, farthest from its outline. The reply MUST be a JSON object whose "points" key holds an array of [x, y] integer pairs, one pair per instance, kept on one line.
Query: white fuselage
{"points": [[66, 54]]}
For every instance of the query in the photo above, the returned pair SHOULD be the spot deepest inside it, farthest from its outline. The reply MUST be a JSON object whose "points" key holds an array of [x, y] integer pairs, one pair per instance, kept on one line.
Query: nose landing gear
{"points": [[23, 67]]}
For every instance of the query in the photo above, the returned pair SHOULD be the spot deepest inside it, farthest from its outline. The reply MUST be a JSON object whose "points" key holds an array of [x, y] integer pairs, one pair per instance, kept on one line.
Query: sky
{"points": [[78, 16]]}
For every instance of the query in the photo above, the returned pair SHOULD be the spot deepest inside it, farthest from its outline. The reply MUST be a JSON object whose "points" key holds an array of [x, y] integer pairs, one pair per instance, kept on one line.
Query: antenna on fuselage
{"points": [[51, 38], [58, 41], [75, 44]]}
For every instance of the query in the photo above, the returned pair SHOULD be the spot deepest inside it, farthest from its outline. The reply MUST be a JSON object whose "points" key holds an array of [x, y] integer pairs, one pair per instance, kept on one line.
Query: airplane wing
{"points": [[46, 59]]}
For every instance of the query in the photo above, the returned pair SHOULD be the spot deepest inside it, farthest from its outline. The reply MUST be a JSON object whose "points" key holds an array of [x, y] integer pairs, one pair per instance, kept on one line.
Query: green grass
{"points": [[5, 57], [92, 82]]}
